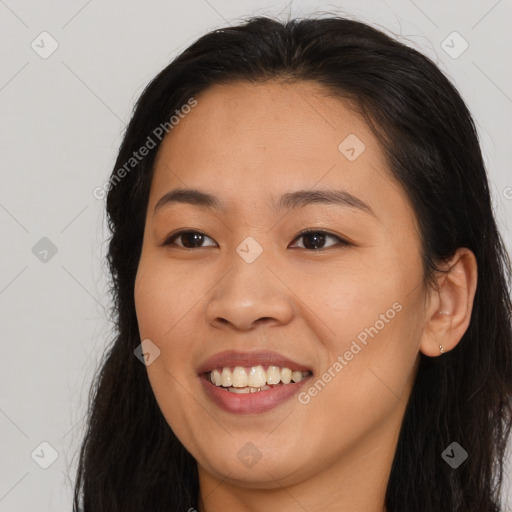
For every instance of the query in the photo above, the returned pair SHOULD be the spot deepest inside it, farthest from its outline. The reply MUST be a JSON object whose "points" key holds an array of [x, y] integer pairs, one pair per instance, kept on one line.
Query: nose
{"points": [[250, 294]]}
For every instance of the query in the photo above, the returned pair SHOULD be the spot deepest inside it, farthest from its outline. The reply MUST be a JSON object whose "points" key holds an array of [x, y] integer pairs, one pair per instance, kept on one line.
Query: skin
{"points": [[248, 144]]}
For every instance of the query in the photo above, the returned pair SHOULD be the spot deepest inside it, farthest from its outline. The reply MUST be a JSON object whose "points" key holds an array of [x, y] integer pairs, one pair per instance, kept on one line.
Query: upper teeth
{"points": [[255, 378]]}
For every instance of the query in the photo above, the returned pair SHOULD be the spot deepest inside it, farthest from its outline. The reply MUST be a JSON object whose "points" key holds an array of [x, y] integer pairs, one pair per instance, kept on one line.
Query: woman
{"points": [[310, 288]]}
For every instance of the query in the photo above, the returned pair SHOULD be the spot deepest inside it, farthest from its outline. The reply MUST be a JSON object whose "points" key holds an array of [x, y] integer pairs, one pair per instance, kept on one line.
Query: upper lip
{"points": [[254, 358]]}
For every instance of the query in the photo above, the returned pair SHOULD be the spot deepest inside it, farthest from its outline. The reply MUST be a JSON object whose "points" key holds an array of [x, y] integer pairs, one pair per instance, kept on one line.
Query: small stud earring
{"points": [[441, 348]]}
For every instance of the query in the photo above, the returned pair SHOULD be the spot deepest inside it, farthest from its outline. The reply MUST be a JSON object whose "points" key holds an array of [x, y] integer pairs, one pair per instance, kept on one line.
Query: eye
{"points": [[313, 238], [316, 237], [188, 237]]}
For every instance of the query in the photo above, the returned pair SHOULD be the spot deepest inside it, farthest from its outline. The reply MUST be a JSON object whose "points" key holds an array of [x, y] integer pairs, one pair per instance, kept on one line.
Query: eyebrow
{"points": [[290, 200]]}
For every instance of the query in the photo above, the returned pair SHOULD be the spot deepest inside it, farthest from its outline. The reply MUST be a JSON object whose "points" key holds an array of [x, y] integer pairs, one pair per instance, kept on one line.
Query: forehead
{"points": [[245, 141], [269, 117]]}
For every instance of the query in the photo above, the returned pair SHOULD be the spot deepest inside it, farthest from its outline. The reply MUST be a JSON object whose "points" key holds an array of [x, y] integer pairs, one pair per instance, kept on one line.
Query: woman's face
{"points": [[350, 316]]}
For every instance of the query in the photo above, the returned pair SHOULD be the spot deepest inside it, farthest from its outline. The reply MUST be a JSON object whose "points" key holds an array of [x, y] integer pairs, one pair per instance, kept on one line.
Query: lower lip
{"points": [[251, 403]]}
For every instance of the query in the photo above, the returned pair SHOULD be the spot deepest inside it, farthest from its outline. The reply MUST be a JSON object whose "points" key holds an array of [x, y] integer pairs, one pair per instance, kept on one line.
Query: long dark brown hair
{"points": [[130, 459]]}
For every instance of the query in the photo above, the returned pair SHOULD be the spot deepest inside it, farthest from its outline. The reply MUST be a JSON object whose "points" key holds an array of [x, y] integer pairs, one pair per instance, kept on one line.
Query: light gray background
{"points": [[62, 123]]}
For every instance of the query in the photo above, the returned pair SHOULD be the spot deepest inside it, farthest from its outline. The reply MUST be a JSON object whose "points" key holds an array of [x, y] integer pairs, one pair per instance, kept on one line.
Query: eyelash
{"points": [[342, 241]]}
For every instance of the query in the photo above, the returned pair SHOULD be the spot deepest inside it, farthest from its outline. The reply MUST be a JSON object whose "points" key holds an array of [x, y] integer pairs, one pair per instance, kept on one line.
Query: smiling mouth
{"points": [[254, 379]]}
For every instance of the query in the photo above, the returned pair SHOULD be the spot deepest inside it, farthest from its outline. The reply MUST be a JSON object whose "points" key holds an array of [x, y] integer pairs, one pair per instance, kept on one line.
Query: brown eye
{"points": [[313, 239], [190, 239]]}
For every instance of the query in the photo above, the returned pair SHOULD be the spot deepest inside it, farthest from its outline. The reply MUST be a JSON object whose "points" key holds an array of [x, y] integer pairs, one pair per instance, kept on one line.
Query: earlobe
{"points": [[449, 311]]}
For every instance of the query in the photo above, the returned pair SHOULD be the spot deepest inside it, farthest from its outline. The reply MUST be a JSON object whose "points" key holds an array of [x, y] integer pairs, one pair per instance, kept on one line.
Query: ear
{"points": [[448, 310]]}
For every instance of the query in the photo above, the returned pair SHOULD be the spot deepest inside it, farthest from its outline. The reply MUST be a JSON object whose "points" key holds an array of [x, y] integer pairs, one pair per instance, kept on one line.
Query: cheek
{"points": [[365, 381], [165, 297], [356, 299], [162, 311], [163, 314], [373, 343]]}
